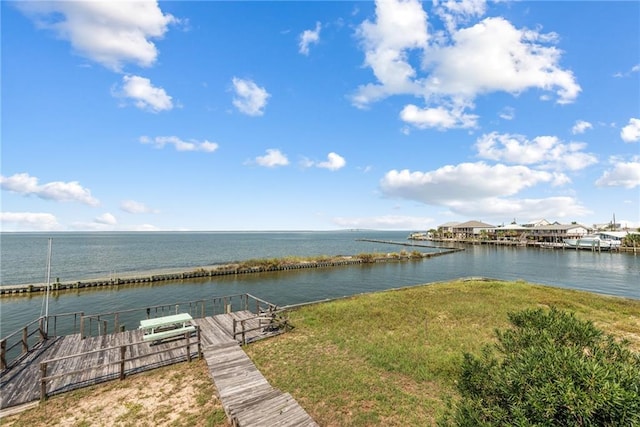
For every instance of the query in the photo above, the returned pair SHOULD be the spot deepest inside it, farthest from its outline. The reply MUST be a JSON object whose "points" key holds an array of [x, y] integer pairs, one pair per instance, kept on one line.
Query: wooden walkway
{"points": [[246, 395]]}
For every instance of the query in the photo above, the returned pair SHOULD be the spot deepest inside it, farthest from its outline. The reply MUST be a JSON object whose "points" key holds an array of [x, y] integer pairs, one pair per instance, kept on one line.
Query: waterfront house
{"points": [[556, 233], [446, 229], [471, 229], [513, 232], [537, 223]]}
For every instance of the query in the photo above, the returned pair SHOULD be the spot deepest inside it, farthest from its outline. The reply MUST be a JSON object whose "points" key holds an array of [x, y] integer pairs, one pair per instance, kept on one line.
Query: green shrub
{"points": [[550, 369]]}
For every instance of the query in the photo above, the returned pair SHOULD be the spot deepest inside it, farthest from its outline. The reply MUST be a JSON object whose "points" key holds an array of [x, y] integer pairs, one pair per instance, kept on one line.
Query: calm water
{"points": [[91, 255]]}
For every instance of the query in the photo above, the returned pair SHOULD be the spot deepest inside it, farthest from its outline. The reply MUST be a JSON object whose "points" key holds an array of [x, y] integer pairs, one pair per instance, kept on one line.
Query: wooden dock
{"points": [[73, 362]]}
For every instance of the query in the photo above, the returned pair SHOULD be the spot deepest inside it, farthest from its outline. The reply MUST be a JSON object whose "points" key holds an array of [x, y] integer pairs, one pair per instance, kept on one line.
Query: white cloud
{"points": [[309, 37], [386, 222], [272, 159], [438, 117], [249, 98], [580, 127], [490, 56], [499, 208], [455, 12], [462, 183], [27, 185], [623, 174], [544, 151], [477, 190], [111, 33], [494, 56], [631, 132], [179, 144], [333, 163], [634, 69], [400, 26], [107, 219], [507, 113], [133, 207], [29, 221], [144, 94]]}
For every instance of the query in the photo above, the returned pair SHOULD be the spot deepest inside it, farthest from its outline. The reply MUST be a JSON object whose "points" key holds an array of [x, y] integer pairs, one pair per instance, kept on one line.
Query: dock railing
{"points": [[117, 321], [267, 322], [126, 354], [16, 345]]}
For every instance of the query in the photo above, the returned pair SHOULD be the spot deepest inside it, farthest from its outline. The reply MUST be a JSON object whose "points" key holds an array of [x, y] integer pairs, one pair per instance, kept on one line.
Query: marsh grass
{"points": [[392, 358], [267, 263]]}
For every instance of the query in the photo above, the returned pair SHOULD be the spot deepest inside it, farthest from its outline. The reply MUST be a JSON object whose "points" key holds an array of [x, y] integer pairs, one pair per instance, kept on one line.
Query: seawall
{"points": [[223, 270]]}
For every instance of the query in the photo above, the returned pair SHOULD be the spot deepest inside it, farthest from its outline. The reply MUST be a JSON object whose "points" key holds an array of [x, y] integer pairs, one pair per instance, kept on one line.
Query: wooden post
{"points": [[104, 328], [43, 381], [55, 327], [199, 338], [234, 328], [82, 326], [25, 342], [187, 335], [41, 329], [123, 352], [3, 355], [243, 333], [116, 322]]}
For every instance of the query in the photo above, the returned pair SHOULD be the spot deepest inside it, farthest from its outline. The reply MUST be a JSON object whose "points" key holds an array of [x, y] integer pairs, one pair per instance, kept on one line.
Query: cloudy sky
{"points": [[287, 115]]}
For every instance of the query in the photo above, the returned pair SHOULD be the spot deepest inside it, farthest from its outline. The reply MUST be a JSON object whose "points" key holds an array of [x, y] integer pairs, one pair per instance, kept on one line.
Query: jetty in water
{"points": [[37, 362], [223, 270]]}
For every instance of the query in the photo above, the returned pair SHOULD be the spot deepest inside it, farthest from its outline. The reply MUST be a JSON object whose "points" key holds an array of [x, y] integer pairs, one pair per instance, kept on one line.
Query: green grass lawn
{"points": [[392, 358]]}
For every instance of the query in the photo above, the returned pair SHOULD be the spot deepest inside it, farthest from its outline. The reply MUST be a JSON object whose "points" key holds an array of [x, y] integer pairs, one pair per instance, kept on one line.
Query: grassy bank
{"points": [[389, 358]]}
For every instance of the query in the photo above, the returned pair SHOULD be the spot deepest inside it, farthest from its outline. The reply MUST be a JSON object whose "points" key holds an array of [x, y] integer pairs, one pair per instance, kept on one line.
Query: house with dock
{"points": [[535, 232]]}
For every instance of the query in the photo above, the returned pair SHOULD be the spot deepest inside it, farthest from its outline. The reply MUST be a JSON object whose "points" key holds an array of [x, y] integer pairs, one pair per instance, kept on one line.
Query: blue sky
{"points": [[286, 115]]}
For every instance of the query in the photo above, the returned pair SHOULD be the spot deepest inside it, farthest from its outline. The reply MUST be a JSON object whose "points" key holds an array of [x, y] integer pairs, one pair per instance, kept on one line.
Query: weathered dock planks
{"points": [[247, 397]]}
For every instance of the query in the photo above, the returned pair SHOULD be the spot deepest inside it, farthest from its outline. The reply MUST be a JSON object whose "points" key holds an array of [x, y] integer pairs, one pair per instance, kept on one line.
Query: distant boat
{"points": [[602, 240], [418, 236]]}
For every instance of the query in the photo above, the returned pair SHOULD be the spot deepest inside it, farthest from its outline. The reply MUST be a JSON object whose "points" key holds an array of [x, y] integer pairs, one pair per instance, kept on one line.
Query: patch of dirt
{"points": [[178, 395]]}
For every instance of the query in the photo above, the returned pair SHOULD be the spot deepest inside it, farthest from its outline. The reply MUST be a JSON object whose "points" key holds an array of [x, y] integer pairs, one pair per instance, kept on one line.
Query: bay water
{"points": [[85, 256]]}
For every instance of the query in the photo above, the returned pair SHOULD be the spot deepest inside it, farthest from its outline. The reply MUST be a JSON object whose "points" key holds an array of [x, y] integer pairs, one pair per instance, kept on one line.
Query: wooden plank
{"points": [[245, 393]]}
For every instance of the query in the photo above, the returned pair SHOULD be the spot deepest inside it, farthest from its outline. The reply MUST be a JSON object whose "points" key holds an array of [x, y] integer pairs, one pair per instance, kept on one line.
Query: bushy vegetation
{"points": [[632, 240], [549, 369]]}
